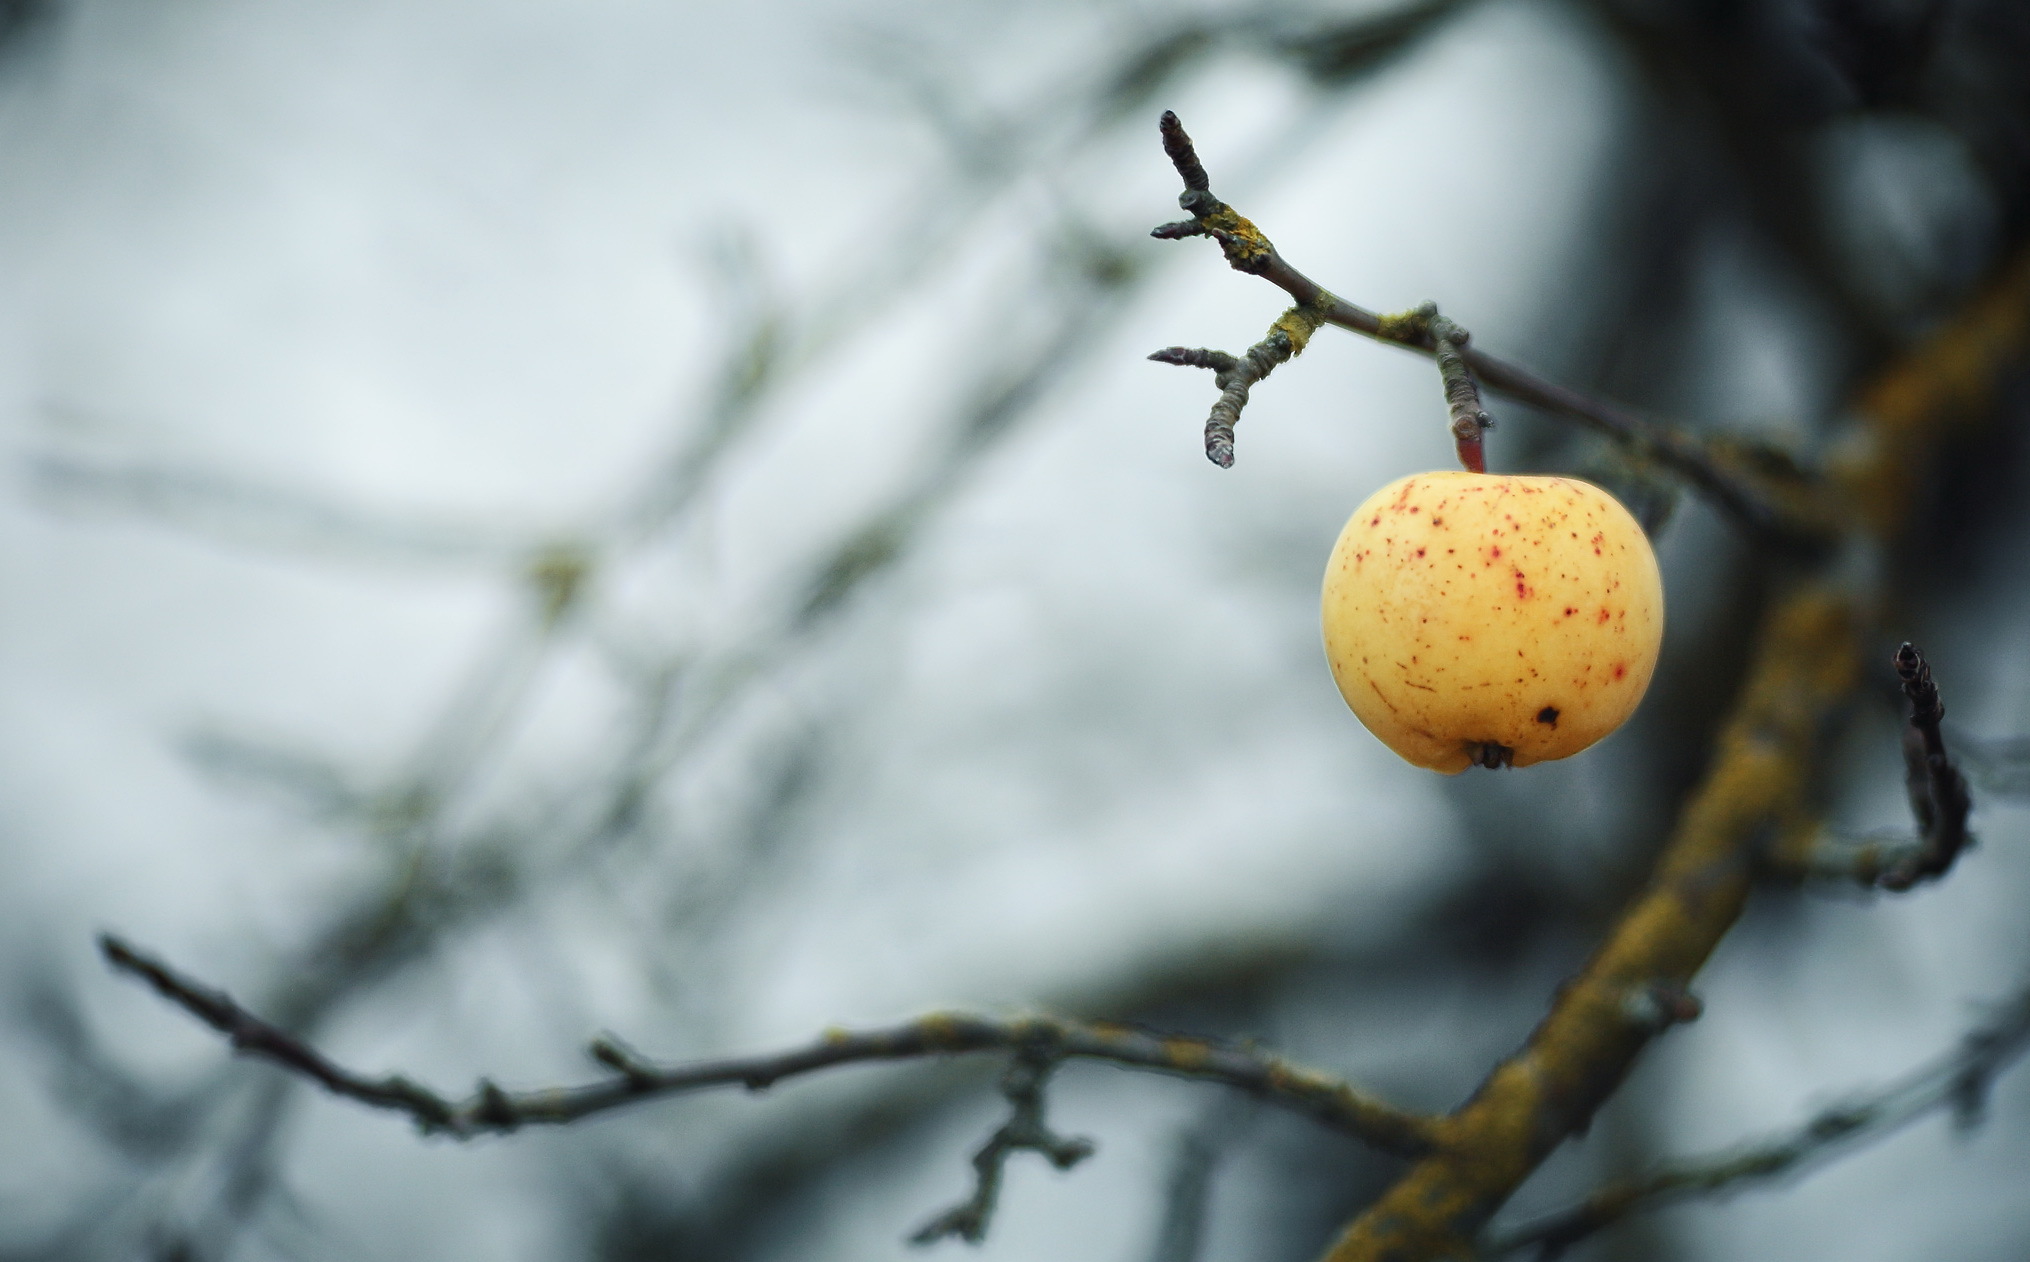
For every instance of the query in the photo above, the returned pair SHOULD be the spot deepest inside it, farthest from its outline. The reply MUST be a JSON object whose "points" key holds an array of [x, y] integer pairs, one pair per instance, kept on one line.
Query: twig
{"points": [[1025, 1129], [1235, 376], [1786, 512], [252, 1036], [1958, 1081], [491, 1110], [1939, 802], [1938, 793]]}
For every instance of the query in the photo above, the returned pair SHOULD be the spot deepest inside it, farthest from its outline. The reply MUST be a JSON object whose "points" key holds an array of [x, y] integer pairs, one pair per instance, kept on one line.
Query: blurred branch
{"points": [[1333, 52], [492, 1110], [446, 867], [1789, 511], [1286, 340], [1948, 381], [1187, 1193], [317, 786], [1938, 800], [1958, 1081], [270, 517]]}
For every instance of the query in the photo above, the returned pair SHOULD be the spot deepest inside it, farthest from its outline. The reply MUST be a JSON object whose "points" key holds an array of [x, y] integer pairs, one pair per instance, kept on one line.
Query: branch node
{"points": [[611, 1052], [1411, 328], [496, 1109], [1236, 375]]}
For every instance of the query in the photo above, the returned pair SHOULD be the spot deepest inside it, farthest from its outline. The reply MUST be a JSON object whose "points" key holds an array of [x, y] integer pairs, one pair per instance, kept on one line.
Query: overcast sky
{"points": [[318, 321]]}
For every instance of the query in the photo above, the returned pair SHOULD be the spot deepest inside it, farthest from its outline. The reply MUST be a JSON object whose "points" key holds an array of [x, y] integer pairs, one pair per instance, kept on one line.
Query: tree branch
{"points": [[251, 1036], [1024, 1129], [1757, 789], [491, 1110], [1958, 1080], [1939, 802], [1187, 1194], [1235, 376], [1789, 510]]}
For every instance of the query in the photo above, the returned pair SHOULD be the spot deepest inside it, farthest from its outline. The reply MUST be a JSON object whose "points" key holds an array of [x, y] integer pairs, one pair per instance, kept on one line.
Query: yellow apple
{"points": [[1472, 617]]}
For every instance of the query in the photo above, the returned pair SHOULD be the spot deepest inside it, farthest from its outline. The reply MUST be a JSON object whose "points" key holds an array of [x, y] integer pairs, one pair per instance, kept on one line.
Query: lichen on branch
{"points": [[1790, 510], [1236, 375]]}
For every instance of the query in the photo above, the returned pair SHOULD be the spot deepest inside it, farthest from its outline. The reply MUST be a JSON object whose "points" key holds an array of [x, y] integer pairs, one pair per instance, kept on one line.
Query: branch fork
{"points": [[1236, 375]]}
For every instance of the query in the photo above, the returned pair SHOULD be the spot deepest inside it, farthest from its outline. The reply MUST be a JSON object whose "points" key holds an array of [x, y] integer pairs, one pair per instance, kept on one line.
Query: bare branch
{"points": [[1958, 1081], [1177, 145], [1939, 802], [1201, 1147], [273, 517], [492, 1110], [1787, 511], [1235, 376], [1025, 1129], [252, 1036]]}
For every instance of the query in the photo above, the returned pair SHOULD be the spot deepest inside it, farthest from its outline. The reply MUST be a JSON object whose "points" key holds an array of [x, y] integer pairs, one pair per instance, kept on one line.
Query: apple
{"points": [[1492, 619]]}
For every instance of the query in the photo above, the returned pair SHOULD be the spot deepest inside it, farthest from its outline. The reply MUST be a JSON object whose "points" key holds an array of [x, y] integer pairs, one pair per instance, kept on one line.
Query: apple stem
{"points": [[1462, 393], [1472, 453]]}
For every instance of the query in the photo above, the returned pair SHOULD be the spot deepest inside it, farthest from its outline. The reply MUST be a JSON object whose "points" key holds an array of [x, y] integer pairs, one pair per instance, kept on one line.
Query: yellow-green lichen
{"points": [[1298, 324], [1244, 244]]}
